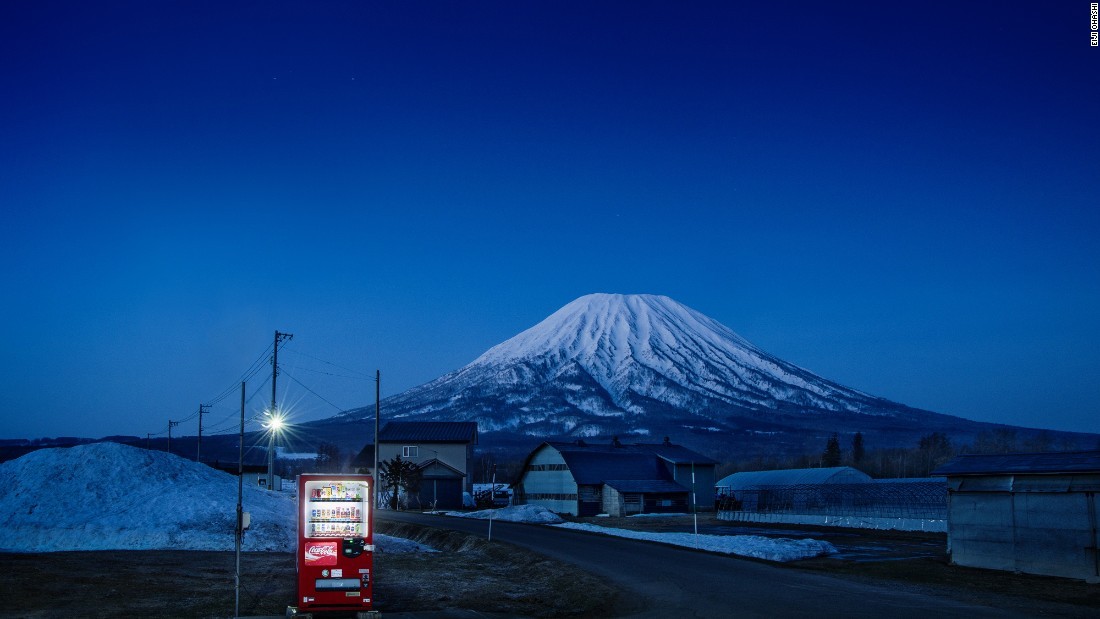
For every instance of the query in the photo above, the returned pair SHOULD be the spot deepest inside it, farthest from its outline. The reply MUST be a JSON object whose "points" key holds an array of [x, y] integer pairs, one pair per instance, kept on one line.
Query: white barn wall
{"points": [[558, 483]]}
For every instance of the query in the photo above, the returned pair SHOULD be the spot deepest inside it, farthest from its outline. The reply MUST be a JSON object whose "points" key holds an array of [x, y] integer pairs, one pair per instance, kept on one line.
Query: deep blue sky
{"points": [[898, 197]]}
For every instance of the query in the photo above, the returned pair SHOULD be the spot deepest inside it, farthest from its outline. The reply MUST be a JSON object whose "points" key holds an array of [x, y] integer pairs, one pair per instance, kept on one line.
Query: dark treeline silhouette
{"points": [[931, 451]]}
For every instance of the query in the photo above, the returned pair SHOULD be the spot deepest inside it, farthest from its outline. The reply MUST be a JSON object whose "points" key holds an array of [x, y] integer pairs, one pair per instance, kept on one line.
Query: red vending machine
{"points": [[335, 544]]}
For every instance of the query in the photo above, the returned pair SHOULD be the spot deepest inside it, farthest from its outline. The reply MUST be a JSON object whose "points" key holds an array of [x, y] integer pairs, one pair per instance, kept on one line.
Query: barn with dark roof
{"points": [[618, 479], [1034, 513]]}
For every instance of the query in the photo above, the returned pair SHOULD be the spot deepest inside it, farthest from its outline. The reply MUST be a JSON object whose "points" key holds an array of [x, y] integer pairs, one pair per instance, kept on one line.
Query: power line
{"points": [[346, 369], [252, 370], [312, 391], [232, 417], [326, 373]]}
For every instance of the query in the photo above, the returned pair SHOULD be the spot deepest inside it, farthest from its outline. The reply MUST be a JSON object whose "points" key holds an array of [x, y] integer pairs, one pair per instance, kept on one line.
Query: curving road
{"points": [[668, 581]]}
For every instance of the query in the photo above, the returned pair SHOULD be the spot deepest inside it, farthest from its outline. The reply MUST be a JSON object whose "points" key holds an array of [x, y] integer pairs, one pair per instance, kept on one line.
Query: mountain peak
{"points": [[625, 363], [643, 364], [608, 329]]}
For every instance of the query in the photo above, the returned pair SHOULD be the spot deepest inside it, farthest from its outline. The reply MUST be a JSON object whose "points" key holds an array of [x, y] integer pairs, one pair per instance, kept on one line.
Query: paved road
{"points": [[667, 581]]}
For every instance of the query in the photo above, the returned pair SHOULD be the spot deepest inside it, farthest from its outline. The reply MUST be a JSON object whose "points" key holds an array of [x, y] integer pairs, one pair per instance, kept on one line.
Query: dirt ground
{"points": [[470, 573]]}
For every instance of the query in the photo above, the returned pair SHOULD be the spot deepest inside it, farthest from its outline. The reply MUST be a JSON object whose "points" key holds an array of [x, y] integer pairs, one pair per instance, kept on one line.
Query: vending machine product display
{"points": [[335, 544]]}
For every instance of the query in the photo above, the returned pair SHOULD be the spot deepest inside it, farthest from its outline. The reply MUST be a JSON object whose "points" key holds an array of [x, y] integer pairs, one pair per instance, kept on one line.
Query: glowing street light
{"points": [[274, 424]]}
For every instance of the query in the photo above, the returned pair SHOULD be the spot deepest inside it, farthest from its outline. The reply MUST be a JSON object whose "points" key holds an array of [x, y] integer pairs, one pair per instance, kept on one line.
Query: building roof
{"points": [[646, 486], [437, 469], [640, 464], [793, 477], [428, 432], [677, 454], [365, 458], [1022, 464], [594, 468]]}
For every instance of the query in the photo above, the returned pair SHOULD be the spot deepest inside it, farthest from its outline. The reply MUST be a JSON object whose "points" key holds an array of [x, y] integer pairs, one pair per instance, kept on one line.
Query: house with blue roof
{"points": [[443, 450], [614, 478]]}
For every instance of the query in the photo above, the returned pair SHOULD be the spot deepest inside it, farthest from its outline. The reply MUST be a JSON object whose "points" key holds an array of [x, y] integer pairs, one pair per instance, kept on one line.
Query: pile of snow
{"points": [[107, 496], [514, 513], [387, 543], [781, 549]]}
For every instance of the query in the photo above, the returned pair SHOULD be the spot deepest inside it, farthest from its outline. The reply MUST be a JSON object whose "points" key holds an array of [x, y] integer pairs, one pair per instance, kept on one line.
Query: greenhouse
{"points": [[838, 496]]}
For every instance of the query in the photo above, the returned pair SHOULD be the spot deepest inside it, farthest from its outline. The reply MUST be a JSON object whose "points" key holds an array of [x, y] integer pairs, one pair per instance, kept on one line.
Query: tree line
{"points": [[931, 451]]}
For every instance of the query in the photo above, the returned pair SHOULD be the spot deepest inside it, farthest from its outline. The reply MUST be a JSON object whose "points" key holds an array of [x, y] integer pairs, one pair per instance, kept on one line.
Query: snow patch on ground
{"points": [[387, 543], [781, 549], [744, 545], [514, 513]]}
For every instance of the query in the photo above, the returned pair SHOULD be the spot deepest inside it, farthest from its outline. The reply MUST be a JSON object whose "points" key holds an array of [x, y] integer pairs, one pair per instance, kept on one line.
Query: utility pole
{"points": [[279, 337], [148, 436], [170, 424], [203, 409], [377, 414], [240, 512]]}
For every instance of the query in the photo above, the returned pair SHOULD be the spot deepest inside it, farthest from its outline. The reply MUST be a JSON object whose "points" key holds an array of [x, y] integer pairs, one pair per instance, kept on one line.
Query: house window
{"points": [[410, 452]]}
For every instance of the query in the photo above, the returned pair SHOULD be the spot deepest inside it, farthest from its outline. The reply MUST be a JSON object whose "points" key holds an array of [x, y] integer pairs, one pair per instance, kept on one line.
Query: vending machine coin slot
{"points": [[353, 546]]}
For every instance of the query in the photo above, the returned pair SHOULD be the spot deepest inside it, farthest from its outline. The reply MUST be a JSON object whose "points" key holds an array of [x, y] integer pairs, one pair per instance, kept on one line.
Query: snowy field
{"points": [[771, 549], [107, 496]]}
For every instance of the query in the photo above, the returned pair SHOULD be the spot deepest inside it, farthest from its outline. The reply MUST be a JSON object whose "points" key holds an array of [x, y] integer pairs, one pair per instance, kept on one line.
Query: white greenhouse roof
{"points": [[793, 477]]}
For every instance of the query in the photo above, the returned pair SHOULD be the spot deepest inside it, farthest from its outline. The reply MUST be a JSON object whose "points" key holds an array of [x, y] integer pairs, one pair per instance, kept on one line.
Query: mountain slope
{"points": [[633, 364]]}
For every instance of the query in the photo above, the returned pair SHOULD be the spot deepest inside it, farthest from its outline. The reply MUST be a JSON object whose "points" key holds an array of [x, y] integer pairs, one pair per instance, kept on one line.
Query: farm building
{"points": [[1032, 513], [758, 490], [617, 479], [837, 496]]}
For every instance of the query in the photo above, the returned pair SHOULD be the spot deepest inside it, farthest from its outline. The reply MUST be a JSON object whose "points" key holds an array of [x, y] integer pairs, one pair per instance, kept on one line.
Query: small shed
{"points": [[1034, 513]]}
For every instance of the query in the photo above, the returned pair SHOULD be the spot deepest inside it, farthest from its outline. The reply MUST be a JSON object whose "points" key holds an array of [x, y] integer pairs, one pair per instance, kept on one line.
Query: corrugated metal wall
{"points": [[1033, 524]]}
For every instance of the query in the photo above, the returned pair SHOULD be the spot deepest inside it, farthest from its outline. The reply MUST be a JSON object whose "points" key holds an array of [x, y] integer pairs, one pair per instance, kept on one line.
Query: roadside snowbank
{"points": [[515, 513], [779, 549]]}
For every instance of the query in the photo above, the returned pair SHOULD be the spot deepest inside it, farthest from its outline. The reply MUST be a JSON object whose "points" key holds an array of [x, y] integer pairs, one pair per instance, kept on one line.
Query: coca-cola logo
{"points": [[321, 553]]}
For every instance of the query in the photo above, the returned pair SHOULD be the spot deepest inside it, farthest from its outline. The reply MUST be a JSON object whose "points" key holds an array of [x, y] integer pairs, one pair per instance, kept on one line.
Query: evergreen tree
{"points": [[329, 459], [396, 475], [933, 450], [857, 448], [831, 456]]}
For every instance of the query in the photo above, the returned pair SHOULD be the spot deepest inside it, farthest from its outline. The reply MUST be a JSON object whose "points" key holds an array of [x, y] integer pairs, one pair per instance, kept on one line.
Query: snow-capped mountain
{"points": [[633, 364]]}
